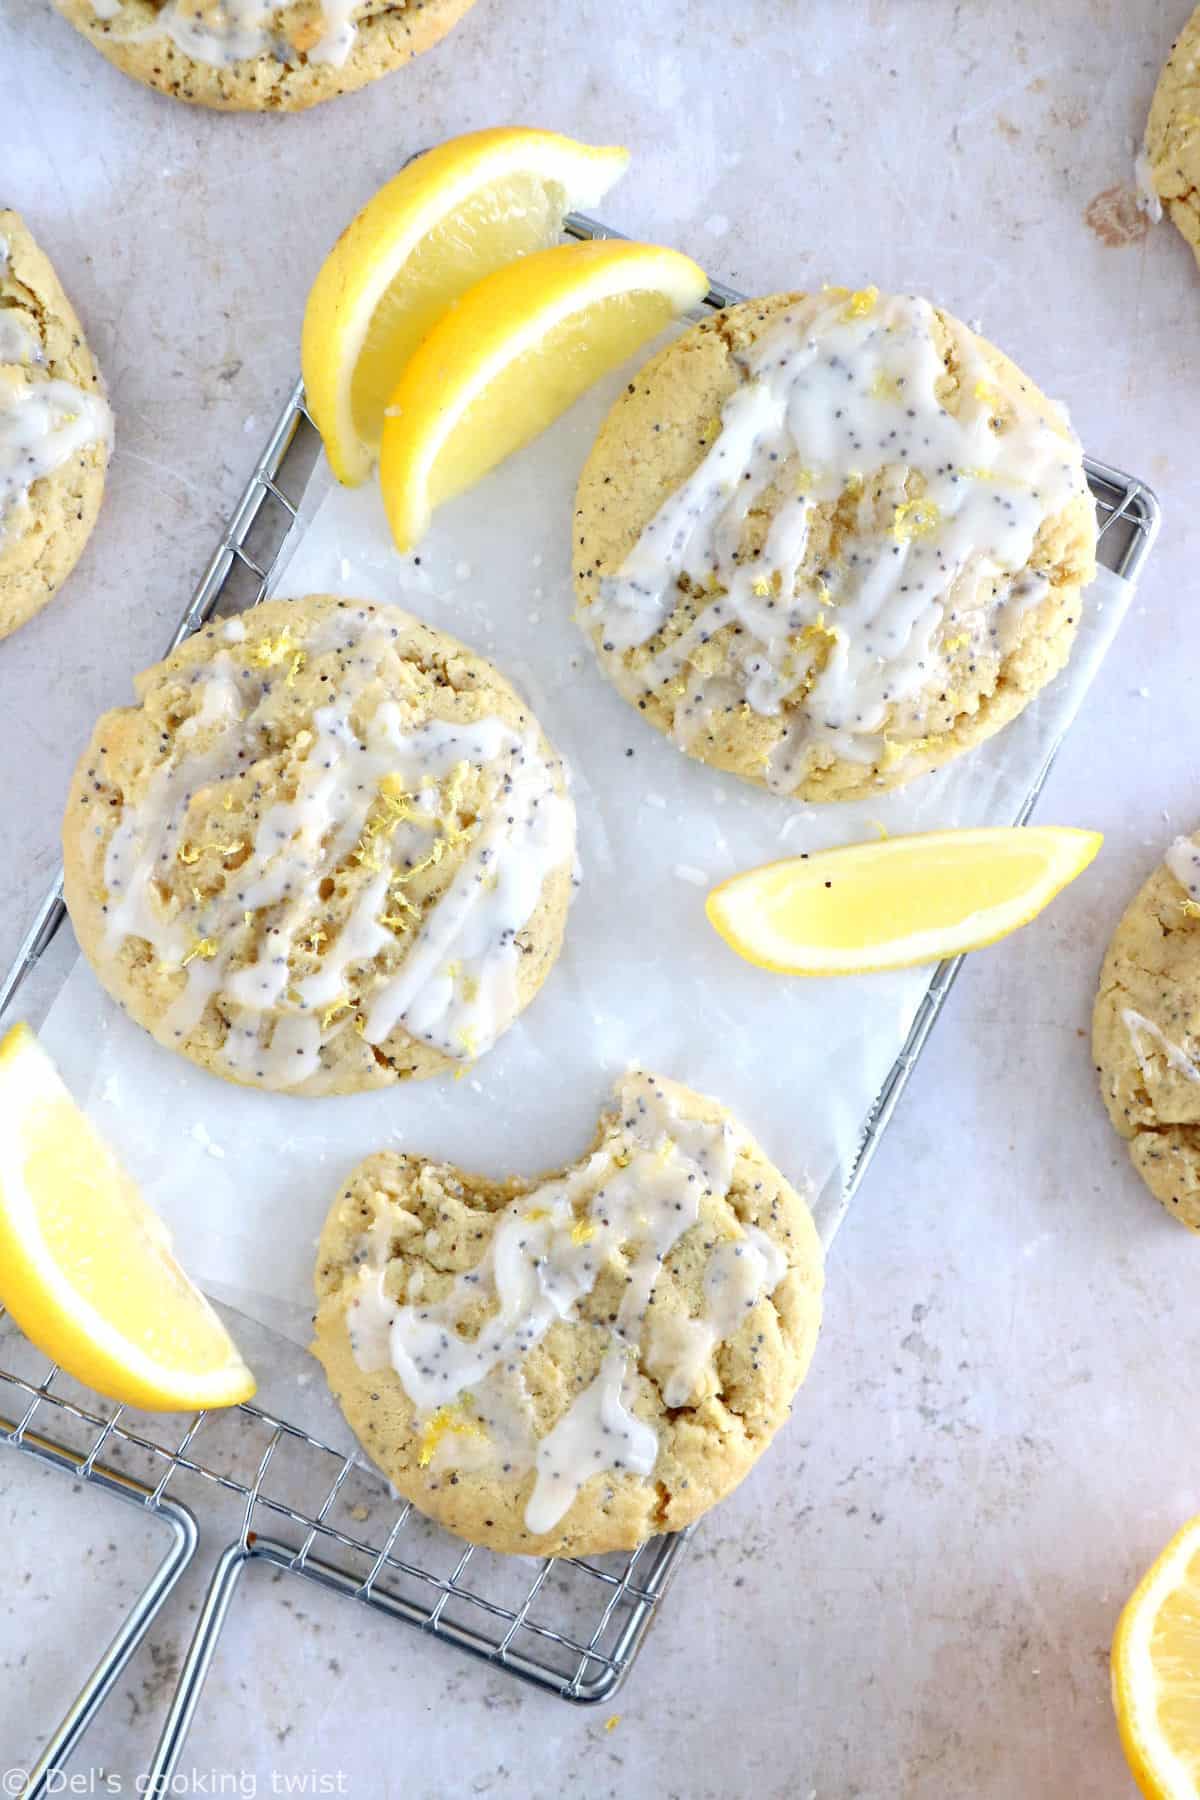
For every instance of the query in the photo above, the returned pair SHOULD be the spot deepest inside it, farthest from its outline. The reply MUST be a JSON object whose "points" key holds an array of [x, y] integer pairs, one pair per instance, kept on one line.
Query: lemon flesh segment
{"points": [[1156, 1673], [513, 355], [446, 220], [86, 1268], [895, 903]]}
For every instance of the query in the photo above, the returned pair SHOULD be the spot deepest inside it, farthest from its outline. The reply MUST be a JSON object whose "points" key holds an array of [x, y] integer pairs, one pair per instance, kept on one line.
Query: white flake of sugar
{"points": [[200, 1133]]}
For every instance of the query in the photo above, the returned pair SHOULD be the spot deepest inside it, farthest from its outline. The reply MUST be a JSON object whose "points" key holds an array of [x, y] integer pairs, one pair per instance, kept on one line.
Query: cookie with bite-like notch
{"points": [[569, 1365]]}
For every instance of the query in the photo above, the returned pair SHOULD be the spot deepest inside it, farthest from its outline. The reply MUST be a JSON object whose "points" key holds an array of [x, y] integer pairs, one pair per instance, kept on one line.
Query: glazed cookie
{"points": [[327, 850], [570, 1365], [55, 430], [1169, 165], [1146, 1031], [253, 56], [829, 541]]}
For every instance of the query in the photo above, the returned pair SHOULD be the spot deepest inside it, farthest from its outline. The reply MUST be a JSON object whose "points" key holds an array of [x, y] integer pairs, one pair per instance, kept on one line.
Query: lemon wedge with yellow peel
{"points": [[85, 1266], [447, 219], [903, 900], [1156, 1673], [514, 353]]}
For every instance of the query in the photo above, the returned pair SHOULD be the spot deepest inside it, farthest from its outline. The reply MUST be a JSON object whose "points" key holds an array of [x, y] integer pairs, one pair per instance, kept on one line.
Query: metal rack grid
{"points": [[569, 1626]]}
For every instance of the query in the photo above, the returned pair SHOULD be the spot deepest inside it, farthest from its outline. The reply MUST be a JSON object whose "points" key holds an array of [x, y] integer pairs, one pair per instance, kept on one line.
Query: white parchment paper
{"points": [[244, 1178]]}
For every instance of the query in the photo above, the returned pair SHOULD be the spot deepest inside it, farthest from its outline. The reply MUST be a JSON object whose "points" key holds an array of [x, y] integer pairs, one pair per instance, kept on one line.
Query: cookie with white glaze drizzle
{"points": [[568, 1365], [1146, 1031], [261, 55], [828, 541], [329, 849], [55, 429]]}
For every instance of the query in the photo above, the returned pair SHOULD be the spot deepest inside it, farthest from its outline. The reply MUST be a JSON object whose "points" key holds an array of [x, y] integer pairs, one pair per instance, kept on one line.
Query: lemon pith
{"points": [[447, 219], [1156, 1672], [901, 901], [85, 1266], [516, 351]]}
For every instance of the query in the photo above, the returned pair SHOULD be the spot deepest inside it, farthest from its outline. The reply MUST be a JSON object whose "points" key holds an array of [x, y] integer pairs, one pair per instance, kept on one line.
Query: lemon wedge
{"points": [[514, 353], [1156, 1673], [903, 900], [85, 1267], [448, 218]]}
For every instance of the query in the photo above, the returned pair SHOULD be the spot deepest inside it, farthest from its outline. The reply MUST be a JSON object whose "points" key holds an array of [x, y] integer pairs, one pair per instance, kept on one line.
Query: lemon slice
{"points": [[519, 347], [1156, 1673], [450, 217], [85, 1267], [903, 900]]}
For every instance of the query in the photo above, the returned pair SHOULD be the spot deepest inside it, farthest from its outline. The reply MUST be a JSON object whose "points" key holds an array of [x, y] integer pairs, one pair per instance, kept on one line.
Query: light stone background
{"points": [[913, 1597]]}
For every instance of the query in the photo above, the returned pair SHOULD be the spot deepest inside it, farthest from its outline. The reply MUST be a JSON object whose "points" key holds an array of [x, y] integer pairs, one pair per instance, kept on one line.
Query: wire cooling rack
{"points": [[270, 1493]]}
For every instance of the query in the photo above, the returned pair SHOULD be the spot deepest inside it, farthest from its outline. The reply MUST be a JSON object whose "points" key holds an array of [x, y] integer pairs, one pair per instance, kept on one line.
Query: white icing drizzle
{"points": [[223, 32], [840, 398], [1147, 192], [599, 1430], [739, 1271], [42, 425], [18, 342], [1137, 1025], [626, 1206], [1183, 861], [457, 985], [338, 39]]}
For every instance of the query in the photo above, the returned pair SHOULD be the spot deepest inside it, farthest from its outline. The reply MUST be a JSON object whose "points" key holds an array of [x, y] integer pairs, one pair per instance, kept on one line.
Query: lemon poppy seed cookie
{"points": [[1146, 1031], [829, 541], [329, 849], [1169, 165], [55, 430], [261, 55], [567, 1366]]}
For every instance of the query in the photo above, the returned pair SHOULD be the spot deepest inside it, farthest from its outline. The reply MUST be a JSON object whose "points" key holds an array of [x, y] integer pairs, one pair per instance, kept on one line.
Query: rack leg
{"points": [[195, 1669], [47, 1774]]}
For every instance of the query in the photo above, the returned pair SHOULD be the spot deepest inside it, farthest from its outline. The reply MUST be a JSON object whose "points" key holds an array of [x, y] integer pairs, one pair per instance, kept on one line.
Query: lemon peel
{"points": [[861, 304], [915, 519], [447, 1421]]}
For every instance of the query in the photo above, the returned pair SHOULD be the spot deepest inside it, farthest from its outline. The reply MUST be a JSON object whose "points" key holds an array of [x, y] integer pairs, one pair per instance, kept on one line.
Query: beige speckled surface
{"points": [[914, 1597]]}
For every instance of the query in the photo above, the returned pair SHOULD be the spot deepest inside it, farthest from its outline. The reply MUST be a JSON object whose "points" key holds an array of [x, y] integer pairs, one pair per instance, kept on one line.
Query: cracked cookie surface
{"points": [[1170, 162], [569, 1365], [1146, 1031], [274, 59], [43, 353], [829, 541], [329, 849]]}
